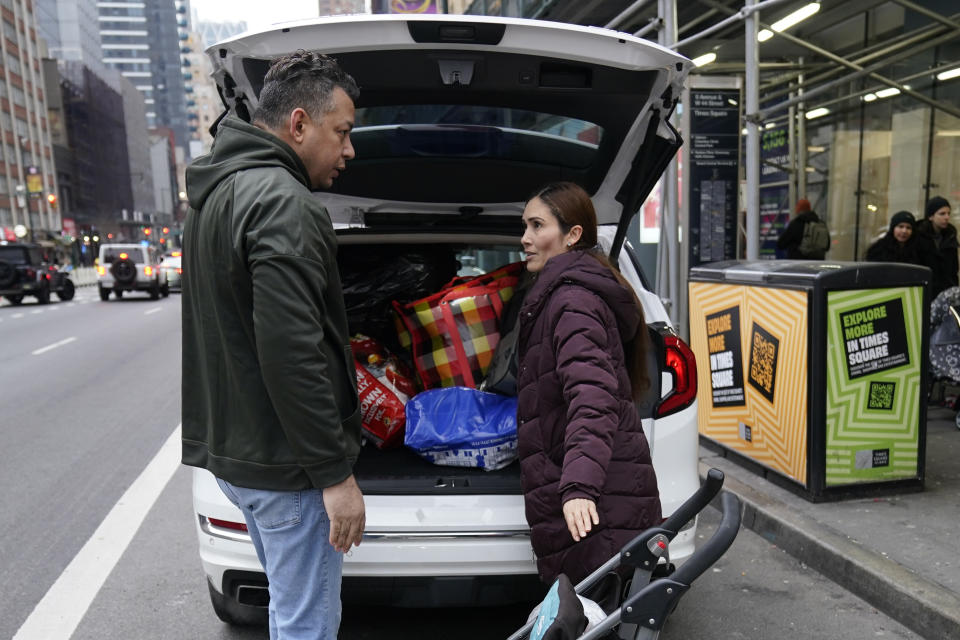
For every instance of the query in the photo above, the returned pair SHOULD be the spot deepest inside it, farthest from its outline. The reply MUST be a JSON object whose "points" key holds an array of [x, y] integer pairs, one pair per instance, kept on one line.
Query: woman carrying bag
{"points": [[588, 481]]}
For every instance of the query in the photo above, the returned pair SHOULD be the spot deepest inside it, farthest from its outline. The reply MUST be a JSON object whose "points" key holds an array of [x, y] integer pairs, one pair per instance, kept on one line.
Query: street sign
{"points": [[34, 182]]}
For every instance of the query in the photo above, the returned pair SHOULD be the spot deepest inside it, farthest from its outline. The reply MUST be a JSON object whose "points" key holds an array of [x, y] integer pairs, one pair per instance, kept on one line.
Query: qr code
{"points": [[881, 396], [762, 362]]}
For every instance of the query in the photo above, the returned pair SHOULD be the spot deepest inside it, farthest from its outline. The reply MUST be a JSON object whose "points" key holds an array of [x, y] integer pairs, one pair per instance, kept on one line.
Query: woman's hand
{"points": [[581, 515]]}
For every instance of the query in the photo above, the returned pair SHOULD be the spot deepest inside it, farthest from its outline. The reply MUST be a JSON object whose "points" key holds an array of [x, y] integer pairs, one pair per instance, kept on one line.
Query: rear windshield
{"points": [[468, 131], [112, 254], [13, 255]]}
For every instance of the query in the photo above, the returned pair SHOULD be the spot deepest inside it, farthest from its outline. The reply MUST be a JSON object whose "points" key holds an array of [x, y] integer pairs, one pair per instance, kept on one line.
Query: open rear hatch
{"points": [[468, 115]]}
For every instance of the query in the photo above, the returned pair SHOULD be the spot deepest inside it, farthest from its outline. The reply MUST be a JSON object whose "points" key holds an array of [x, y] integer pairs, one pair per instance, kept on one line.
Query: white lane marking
{"points": [[154, 310], [53, 346], [61, 610], [36, 311], [17, 315]]}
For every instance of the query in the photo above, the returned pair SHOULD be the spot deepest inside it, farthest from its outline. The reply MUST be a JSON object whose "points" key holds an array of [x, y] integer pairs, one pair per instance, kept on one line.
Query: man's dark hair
{"points": [[303, 79]]}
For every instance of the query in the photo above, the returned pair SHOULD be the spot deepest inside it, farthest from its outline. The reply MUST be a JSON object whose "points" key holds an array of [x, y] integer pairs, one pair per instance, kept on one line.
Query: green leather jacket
{"points": [[269, 388]]}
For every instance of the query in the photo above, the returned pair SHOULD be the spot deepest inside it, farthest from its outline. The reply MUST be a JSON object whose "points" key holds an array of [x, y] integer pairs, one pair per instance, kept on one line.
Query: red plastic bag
{"points": [[382, 410], [384, 366], [384, 387]]}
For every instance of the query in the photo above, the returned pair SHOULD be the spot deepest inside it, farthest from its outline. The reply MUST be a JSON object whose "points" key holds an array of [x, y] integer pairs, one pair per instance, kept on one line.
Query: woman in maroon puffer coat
{"points": [[588, 481]]}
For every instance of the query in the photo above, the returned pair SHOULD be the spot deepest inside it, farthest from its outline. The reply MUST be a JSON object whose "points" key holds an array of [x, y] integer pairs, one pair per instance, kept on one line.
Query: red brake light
{"points": [[102, 271], [123, 256], [226, 524], [682, 365], [148, 271]]}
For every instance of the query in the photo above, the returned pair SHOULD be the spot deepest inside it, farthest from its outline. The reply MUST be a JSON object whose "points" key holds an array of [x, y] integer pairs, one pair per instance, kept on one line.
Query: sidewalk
{"points": [[900, 553]]}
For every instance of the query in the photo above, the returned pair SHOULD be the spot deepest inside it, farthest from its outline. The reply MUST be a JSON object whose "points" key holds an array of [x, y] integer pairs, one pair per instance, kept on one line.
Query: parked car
{"points": [[459, 120], [27, 270], [172, 269], [130, 267]]}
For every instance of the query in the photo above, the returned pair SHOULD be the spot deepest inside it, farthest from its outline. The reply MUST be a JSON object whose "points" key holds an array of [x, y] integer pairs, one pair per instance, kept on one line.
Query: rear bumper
{"points": [[139, 285], [23, 288]]}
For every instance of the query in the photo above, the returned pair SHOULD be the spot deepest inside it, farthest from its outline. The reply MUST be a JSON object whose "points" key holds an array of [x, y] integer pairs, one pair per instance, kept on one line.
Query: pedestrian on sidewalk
{"points": [[269, 390], [937, 244], [899, 244], [587, 477], [807, 236]]}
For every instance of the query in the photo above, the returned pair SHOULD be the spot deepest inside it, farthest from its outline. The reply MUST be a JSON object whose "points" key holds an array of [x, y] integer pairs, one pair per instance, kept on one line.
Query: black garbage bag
{"points": [[373, 279]]}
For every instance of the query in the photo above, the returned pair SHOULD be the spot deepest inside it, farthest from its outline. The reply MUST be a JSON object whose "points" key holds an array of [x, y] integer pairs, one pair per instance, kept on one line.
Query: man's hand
{"points": [[581, 515], [348, 516]]}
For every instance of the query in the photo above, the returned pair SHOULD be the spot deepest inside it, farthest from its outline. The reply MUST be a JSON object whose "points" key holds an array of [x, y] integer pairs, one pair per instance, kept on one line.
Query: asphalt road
{"points": [[89, 393]]}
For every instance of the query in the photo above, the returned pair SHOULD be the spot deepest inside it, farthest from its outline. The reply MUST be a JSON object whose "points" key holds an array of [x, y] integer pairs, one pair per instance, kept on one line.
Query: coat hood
{"points": [[239, 146], [582, 269]]}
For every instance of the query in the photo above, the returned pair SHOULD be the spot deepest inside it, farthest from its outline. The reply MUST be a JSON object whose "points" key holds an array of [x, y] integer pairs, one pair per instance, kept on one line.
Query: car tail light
{"points": [[682, 365], [101, 271], [227, 524], [179, 271], [148, 271], [124, 256]]}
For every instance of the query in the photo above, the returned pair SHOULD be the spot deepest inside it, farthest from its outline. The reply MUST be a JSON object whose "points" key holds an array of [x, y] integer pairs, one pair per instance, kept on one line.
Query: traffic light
{"points": [[166, 230], [146, 231], [52, 199]]}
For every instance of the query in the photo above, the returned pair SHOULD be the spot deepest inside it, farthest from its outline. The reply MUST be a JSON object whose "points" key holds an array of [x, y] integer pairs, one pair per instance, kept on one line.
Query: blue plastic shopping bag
{"points": [[463, 427]]}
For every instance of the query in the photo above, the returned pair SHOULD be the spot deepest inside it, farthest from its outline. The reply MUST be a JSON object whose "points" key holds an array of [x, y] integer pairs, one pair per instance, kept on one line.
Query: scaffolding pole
{"points": [[670, 245], [626, 13], [752, 98]]}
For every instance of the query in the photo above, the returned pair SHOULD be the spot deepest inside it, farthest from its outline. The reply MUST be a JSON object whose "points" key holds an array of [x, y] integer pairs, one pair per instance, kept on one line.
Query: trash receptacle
{"points": [[815, 371]]}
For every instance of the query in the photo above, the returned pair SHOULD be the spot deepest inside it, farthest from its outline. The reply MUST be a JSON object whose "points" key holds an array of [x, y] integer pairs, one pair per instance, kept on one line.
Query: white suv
{"points": [[460, 119], [130, 267]]}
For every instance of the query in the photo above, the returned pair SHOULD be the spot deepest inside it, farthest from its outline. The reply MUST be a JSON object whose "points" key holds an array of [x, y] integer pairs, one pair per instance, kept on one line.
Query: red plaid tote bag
{"points": [[453, 333]]}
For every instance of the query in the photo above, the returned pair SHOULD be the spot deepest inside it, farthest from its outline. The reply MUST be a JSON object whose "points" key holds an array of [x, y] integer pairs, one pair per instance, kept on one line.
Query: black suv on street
{"points": [[25, 270]]}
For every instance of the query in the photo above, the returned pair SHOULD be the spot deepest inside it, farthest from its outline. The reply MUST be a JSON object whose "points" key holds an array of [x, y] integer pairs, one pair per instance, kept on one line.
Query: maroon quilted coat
{"points": [[579, 433]]}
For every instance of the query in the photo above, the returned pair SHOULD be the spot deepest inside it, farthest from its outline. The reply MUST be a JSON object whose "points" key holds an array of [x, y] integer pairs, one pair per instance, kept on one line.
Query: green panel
{"points": [[873, 384]]}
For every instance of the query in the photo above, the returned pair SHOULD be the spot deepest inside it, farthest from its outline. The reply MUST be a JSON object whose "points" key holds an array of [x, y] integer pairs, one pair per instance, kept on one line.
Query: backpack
{"points": [[816, 240]]}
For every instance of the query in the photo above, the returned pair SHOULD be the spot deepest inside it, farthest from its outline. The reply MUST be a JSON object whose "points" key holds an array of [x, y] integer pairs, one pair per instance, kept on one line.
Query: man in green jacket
{"points": [[269, 389]]}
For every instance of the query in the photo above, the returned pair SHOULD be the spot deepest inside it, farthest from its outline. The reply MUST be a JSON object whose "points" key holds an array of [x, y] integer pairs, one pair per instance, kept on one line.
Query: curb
{"points": [[926, 607]]}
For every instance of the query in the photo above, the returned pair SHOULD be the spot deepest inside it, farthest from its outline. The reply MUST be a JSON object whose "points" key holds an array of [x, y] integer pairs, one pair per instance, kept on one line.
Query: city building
{"points": [[70, 29], [99, 188], [28, 185], [142, 41]]}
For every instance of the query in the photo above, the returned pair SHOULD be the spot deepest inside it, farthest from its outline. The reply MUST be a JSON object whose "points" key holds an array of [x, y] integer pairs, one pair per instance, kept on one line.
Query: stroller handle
{"points": [[716, 546], [695, 503]]}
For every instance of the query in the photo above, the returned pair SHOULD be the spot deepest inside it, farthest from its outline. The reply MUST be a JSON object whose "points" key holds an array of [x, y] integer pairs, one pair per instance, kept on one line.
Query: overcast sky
{"points": [[256, 13]]}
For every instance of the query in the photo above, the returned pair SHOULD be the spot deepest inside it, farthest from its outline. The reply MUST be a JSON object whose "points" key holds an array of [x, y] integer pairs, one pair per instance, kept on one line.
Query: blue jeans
{"points": [[291, 533]]}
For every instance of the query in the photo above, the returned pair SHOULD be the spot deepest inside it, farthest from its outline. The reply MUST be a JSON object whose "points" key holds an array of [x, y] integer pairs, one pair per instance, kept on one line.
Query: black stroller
{"points": [[945, 348], [646, 604]]}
